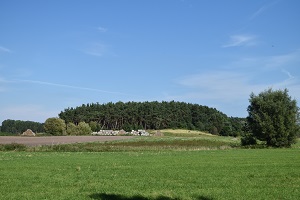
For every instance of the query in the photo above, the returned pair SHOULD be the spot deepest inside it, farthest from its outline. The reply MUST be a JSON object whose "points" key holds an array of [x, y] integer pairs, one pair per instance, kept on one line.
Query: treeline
{"points": [[19, 126], [154, 115]]}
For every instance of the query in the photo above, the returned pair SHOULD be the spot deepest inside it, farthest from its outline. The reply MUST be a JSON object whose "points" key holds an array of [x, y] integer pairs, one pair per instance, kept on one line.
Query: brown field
{"points": [[52, 140]]}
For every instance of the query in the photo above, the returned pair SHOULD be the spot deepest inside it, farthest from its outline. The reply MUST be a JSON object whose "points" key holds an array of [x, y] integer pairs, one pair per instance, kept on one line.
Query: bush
{"points": [[248, 139], [55, 126], [13, 147], [82, 129], [72, 129]]}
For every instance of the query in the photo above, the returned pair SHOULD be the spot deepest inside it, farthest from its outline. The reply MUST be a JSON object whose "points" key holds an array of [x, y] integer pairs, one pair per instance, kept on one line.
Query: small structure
{"points": [[28, 132]]}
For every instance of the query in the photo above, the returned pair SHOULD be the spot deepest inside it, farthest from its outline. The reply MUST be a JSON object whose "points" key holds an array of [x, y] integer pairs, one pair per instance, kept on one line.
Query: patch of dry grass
{"points": [[184, 133]]}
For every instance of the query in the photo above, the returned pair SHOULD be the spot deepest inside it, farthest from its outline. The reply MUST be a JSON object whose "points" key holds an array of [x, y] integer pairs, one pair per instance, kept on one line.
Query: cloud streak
{"points": [[288, 74], [5, 50], [231, 85], [219, 85], [102, 29], [262, 9], [70, 86], [240, 40], [98, 50]]}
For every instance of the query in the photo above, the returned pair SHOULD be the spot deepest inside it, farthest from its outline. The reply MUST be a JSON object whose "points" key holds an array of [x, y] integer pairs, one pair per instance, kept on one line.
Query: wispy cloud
{"points": [[241, 40], [70, 86], [288, 74], [218, 85], [5, 50], [102, 29], [229, 87], [3, 83], [99, 50], [242, 77], [262, 9], [2, 88], [279, 61]]}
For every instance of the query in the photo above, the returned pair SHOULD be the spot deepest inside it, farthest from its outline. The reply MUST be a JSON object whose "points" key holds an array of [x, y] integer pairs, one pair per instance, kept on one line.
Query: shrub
{"points": [[248, 139], [13, 147], [84, 128], [55, 126]]}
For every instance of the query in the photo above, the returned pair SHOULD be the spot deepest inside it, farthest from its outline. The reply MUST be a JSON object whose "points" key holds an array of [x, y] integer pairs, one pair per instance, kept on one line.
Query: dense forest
{"points": [[19, 126], [154, 115]]}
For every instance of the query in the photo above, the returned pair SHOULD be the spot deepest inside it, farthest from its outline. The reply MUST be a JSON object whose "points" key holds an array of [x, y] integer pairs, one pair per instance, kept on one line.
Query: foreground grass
{"points": [[160, 175]]}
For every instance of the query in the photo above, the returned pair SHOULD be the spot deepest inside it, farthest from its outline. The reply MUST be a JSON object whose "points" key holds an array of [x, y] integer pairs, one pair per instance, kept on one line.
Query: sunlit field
{"points": [[159, 168], [211, 174]]}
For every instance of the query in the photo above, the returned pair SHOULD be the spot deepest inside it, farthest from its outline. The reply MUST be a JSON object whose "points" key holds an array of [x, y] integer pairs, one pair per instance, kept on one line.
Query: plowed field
{"points": [[51, 140]]}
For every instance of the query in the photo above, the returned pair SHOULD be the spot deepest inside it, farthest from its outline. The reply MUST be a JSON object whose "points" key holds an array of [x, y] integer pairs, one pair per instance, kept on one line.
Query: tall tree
{"points": [[273, 117], [19, 126], [55, 126], [151, 115], [84, 128]]}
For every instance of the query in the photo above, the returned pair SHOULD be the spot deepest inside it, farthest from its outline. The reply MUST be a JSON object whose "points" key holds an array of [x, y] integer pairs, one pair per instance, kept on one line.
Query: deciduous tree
{"points": [[273, 117], [55, 126], [84, 128]]}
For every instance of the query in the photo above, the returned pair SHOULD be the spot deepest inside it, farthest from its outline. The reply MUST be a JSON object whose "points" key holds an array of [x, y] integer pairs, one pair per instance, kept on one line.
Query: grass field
{"points": [[159, 175], [181, 165]]}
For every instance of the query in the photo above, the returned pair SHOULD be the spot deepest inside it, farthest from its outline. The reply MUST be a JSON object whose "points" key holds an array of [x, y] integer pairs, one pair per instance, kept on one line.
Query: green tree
{"points": [[72, 129], [55, 126], [273, 117], [152, 115], [94, 126], [84, 128], [19, 126]]}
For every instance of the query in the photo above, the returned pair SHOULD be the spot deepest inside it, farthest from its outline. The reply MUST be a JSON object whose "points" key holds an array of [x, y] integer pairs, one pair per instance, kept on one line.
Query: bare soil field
{"points": [[52, 140]]}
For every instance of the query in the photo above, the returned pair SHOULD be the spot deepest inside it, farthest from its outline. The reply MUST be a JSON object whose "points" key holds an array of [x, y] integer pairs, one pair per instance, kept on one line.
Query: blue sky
{"points": [[56, 54]]}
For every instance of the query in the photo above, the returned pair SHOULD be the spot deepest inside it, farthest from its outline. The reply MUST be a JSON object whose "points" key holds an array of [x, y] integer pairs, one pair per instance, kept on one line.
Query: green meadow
{"points": [[162, 168]]}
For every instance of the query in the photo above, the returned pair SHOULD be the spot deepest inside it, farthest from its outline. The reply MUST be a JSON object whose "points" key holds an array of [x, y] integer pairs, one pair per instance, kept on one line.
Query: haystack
{"points": [[122, 132], [28, 132]]}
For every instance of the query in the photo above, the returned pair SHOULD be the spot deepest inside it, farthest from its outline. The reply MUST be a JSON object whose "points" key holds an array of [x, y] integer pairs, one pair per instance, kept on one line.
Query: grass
{"points": [[184, 133], [182, 165], [159, 175], [147, 144]]}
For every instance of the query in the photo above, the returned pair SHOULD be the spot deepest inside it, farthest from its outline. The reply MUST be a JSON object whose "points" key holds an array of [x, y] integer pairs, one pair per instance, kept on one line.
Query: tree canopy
{"points": [[19, 126], [152, 115], [273, 117], [55, 126]]}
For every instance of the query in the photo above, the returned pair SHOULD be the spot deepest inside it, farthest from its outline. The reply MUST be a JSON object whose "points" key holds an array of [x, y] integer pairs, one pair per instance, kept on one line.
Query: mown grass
{"points": [[146, 175]]}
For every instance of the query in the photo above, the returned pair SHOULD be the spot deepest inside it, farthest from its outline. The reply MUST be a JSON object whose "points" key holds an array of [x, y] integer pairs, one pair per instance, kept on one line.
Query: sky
{"points": [[56, 54]]}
